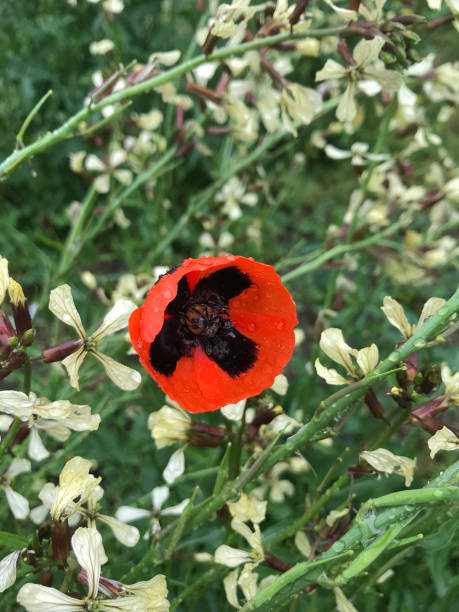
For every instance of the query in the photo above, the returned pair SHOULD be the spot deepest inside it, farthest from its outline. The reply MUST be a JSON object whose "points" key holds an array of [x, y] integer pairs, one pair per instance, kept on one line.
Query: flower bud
{"points": [[28, 337], [60, 351], [21, 312]]}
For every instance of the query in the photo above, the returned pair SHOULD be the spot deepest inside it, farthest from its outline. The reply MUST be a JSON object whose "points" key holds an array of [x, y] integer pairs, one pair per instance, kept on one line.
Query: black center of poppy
{"points": [[201, 318]]}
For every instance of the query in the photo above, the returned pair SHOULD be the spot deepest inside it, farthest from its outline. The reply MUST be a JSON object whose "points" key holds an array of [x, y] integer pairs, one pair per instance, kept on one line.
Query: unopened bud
{"points": [[414, 56], [409, 19], [412, 36], [13, 341], [61, 351], [21, 314], [29, 337], [388, 58]]}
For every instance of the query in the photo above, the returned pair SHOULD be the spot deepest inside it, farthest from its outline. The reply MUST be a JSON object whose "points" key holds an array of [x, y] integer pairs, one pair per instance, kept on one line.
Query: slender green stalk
{"points": [[30, 116], [71, 246], [341, 249]]}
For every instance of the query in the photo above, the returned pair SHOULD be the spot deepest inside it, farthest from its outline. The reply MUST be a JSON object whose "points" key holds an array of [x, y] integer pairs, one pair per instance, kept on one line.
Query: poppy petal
{"points": [[275, 349], [227, 283], [166, 350], [232, 352]]}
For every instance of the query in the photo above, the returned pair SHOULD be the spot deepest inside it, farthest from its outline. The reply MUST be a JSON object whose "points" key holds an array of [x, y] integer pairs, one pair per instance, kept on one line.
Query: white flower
{"points": [[280, 384], [100, 47], [175, 466], [4, 278], [75, 483], [444, 439], [107, 168], [396, 315], [232, 557], [333, 344], [18, 504], [62, 305], [248, 508], [87, 546], [8, 570], [451, 382], [158, 496], [358, 154], [365, 54], [342, 602], [234, 412], [169, 425], [56, 418], [232, 194], [385, 461], [301, 103]]}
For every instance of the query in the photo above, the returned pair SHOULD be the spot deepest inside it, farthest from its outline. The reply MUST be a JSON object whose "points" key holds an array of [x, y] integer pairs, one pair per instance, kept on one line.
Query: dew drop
{"points": [[66, 318], [280, 325], [167, 295], [187, 389], [155, 308], [251, 326]]}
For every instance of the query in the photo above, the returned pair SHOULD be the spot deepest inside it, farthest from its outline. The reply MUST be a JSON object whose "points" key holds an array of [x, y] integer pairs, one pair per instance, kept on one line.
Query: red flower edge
{"points": [[258, 323]]}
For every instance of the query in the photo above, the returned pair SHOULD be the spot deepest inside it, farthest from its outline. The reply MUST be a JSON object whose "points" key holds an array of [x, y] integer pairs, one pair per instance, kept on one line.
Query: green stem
{"points": [[67, 129], [71, 247], [30, 116], [341, 249]]}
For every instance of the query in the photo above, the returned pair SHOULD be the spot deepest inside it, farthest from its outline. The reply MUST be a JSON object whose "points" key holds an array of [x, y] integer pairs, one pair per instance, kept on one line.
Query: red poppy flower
{"points": [[215, 331]]}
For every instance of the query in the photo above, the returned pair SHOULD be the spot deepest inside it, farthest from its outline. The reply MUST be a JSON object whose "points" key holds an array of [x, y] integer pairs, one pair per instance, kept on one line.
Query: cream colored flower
{"points": [[444, 439], [18, 504], [62, 305], [4, 278], [383, 460], [231, 20], [158, 496], [232, 557], [232, 194], [56, 418], [248, 508], [365, 54], [8, 569], [108, 168], [169, 425], [303, 544], [87, 544], [342, 602], [234, 412], [299, 103], [245, 120], [75, 483], [280, 384], [335, 515], [396, 315], [358, 154], [101, 47], [333, 344], [451, 382]]}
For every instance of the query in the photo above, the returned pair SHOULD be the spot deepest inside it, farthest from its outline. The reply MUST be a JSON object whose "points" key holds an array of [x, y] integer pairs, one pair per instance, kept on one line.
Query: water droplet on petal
{"points": [[167, 295], [66, 318], [187, 389], [251, 326], [280, 325]]}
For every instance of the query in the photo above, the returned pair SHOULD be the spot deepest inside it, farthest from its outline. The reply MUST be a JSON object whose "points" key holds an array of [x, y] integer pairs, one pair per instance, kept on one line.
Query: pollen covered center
{"points": [[203, 320]]}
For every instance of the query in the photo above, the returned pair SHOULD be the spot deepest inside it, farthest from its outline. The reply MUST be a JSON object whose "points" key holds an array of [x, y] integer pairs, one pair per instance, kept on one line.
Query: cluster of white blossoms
{"points": [[246, 509], [147, 596]]}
